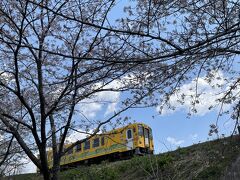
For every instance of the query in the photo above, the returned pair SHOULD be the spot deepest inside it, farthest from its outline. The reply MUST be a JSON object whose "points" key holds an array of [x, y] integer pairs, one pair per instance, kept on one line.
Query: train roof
{"points": [[124, 127]]}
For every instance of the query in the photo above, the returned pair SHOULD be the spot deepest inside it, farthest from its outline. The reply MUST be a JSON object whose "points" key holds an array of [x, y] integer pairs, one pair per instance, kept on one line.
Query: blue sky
{"points": [[173, 130]]}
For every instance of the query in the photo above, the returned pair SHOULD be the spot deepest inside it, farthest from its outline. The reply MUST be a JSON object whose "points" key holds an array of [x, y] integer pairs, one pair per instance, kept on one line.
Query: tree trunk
{"points": [[56, 154], [46, 174], [55, 172], [43, 157]]}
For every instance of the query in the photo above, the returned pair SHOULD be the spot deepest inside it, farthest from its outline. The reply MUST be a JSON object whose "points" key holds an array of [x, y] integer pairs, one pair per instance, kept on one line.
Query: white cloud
{"points": [[90, 109], [209, 93], [75, 136], [111, 108], [29, 167], [174, 141], [108, 99]]}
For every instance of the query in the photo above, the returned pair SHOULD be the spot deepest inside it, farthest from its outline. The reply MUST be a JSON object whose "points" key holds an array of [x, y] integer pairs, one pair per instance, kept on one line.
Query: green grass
{"points": [[207, 160]]}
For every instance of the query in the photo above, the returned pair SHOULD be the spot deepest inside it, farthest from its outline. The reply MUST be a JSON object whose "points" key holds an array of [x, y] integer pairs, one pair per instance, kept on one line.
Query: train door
{"points": [[129, 135], [146, 137]]}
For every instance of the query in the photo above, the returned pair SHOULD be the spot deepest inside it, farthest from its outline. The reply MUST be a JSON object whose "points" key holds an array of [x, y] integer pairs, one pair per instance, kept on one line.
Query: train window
{"points": [[78, 147], [150, 133], [129, 134], [146, 133], [140, 130], [87, 145], [102, 141], [96, 142]]}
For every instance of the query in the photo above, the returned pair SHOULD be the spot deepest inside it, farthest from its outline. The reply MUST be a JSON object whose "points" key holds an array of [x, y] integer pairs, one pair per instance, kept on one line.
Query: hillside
{"points": [[217, 159]]}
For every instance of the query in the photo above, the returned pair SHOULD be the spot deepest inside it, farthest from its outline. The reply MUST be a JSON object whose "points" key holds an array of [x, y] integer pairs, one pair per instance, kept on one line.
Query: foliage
{"points": [[210, 173]]}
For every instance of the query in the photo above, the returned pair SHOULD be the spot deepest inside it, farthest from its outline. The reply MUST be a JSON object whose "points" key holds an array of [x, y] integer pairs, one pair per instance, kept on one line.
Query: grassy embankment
{"points": [[207, 160]]}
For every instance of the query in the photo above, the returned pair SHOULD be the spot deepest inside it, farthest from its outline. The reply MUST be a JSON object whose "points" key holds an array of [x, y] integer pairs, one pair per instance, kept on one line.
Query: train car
{"points": [[116, 144]]}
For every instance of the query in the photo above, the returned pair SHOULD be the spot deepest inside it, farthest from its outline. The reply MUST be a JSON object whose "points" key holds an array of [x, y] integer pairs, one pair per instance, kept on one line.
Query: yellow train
{"points": [[116, 144]]}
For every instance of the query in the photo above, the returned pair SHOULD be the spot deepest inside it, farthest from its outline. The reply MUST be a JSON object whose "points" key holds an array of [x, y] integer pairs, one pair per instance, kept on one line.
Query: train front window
{"points": [[87, 145], [140, 130]]}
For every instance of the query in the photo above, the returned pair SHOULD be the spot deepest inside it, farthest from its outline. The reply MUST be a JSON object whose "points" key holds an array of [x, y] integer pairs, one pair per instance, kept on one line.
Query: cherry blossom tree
{"points": [[56, 54]]}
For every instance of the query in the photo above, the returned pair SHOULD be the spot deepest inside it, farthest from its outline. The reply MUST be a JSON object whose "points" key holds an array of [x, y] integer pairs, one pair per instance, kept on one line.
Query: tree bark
{"points": [[56, 154]]}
